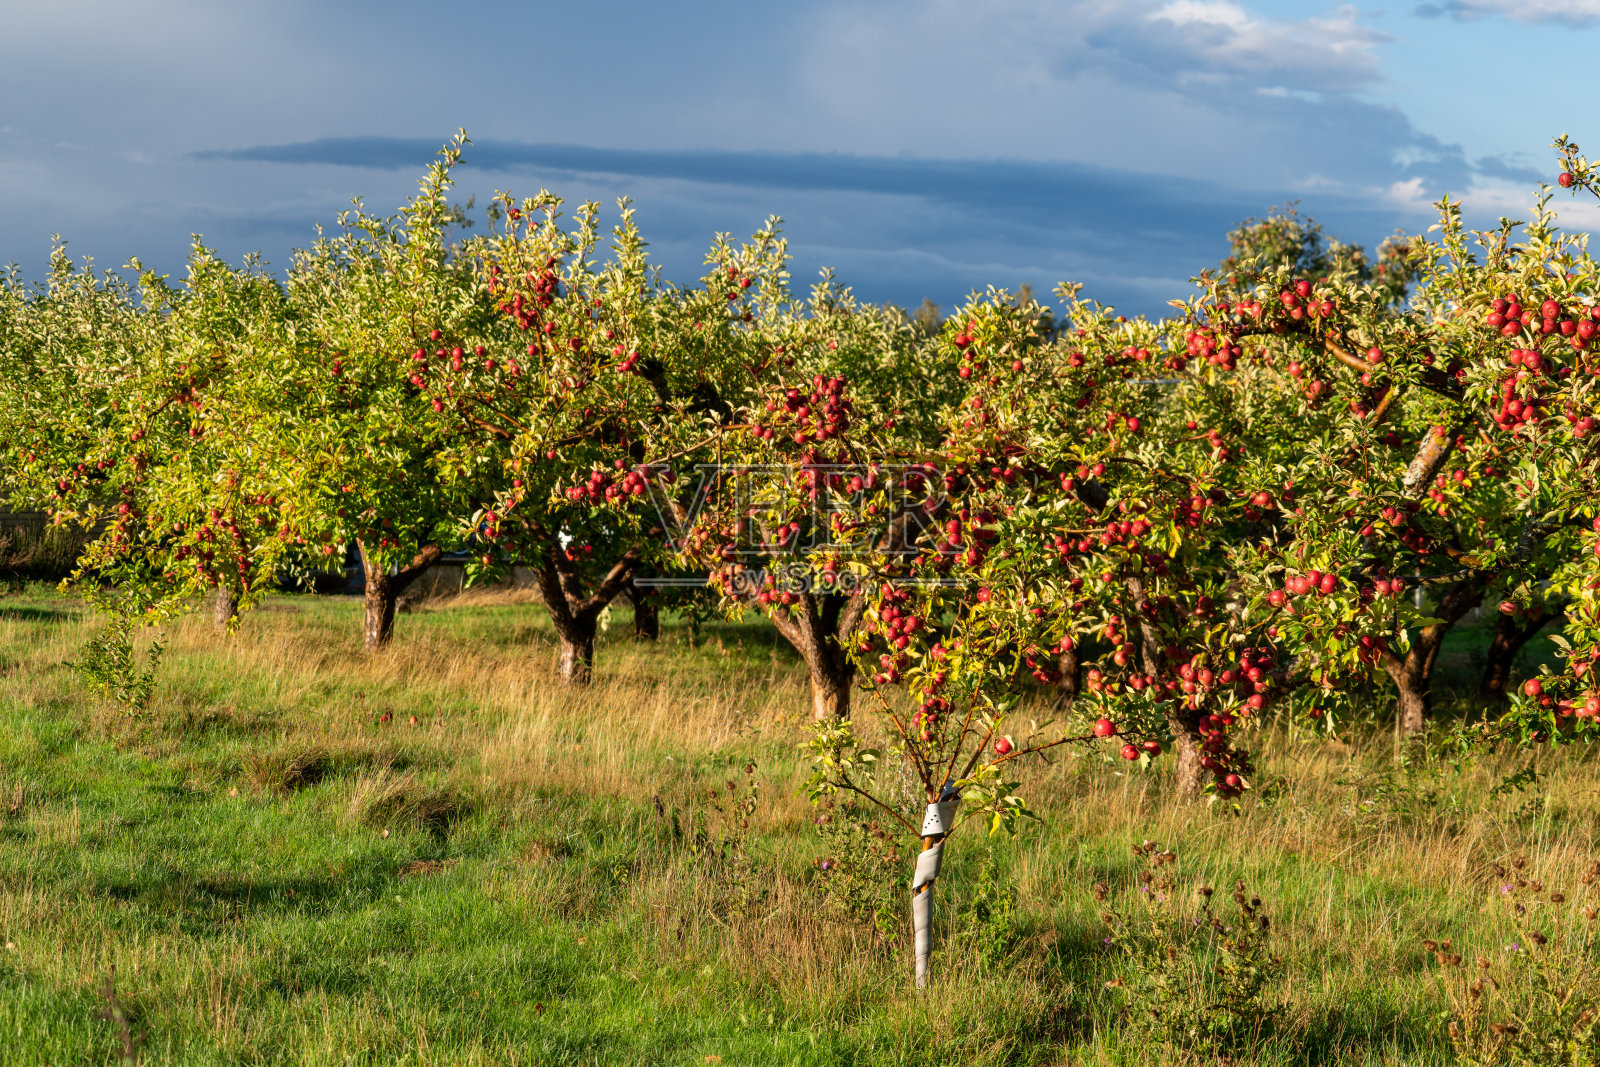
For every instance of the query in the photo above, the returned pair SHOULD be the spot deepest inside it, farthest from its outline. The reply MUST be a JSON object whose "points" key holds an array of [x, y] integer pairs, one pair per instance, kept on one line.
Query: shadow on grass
{"points": [[30, 613], [216, 901], [1378, 1035], [1373, 1033], [194, 721]]}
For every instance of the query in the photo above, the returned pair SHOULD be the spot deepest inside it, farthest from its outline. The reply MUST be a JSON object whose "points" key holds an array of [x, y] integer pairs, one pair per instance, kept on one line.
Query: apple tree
{"points": [[584, 420], [381, 316], [125, 427], [1413, 445]]}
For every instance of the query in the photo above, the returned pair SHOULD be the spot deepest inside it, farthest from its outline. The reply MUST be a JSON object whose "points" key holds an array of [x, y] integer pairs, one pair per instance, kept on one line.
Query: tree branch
{"points": [[425, 558], [612, 585], [1426, 463]]}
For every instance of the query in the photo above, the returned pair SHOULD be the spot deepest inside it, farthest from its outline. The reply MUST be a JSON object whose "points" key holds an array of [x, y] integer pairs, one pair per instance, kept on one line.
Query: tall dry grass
{"points": [[551, 808]]}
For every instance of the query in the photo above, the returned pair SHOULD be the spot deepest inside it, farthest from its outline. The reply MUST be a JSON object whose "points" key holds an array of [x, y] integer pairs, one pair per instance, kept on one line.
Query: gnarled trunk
{"points": [[1189, 775], [383, 593], [1068, 687], [225, 608], [1510, 634], [1413, 697], [830, 686], [820, 624], [646, 618], [1413, 704], [575, 664], [574, 611], [379, 604], [1183, 723], [1412, 674], [818, 629]]}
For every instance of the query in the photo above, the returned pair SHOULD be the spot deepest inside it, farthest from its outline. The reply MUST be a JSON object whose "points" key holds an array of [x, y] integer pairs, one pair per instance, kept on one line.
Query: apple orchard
{"points": [[1025, 531]]}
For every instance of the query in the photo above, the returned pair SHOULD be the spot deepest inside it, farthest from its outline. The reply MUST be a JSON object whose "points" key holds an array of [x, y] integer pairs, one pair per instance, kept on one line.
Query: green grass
{"points": [[276, 874]]}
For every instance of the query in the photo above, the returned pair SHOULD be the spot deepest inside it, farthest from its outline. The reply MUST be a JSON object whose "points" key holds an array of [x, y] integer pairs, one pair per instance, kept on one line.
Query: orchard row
{"points": [[1180, 523]]}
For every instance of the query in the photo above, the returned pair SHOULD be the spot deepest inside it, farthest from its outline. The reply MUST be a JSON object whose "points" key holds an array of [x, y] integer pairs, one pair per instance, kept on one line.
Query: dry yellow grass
{"points": [[278, 872]]}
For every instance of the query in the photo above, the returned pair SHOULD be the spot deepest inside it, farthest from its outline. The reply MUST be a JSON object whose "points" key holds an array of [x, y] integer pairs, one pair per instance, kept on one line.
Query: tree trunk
{"points": [[1413, 675], [225, 609], [819, 629], [383, 593], [1497, 667], [1068, 687], [1415, 704], [1509, 637], [575, 610], [1182, 722], [646, 618], [830, 687], [576, 664], [1190, 777], [379, 602], [1414, 701]]}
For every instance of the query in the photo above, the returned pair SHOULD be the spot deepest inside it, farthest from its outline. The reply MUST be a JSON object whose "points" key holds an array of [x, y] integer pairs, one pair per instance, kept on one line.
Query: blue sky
{"points": [[920, 147]]}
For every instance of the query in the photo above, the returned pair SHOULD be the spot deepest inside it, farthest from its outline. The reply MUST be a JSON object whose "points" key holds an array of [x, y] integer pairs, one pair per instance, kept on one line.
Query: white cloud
{"points": [[1213, 89], [1408, 195], [1215, 12], [1487, 200], [1332, 53], [1572, 12], [1220, 107], [1494, 200]]}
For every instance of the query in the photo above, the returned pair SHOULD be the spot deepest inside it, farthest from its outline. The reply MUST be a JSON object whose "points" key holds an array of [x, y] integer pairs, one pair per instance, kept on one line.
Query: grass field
{"points": [[279, 866]]}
